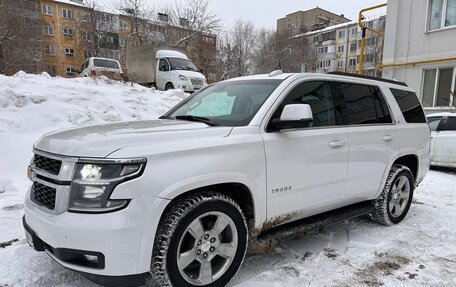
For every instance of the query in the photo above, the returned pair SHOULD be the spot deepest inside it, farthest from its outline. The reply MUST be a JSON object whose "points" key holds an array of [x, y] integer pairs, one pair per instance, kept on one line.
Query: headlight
{"points": [[183, 78], [93, 183]]}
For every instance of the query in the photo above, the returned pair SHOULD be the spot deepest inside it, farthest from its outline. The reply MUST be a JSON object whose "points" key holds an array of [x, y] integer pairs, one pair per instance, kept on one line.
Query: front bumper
{"points": [[122, 240]]}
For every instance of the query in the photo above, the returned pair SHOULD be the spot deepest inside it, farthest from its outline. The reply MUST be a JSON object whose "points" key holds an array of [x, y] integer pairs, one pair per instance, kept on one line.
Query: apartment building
{"points": [[420, 49], [337, 47], [62, 42], [304, 21]]}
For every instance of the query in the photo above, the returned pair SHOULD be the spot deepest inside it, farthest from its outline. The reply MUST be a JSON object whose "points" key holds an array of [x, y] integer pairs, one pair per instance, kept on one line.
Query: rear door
{"points": [[445, 143], [372, 137]]}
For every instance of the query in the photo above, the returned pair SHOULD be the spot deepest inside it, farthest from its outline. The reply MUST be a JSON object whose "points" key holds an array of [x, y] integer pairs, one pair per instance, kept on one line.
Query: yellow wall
{"points": [[60, 42]]}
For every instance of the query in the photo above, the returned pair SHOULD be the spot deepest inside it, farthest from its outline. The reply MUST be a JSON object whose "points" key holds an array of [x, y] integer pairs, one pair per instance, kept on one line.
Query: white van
{"points": [[163, 68]]}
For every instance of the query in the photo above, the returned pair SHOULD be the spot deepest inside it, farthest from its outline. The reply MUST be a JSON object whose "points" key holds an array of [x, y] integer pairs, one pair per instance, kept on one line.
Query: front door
{"points": [[444, 146], [307, 168], [162, 76]]}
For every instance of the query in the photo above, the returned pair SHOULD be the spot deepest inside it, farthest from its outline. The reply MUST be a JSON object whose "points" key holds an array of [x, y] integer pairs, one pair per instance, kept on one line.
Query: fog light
{"points": [[91, 258], [92, 192]]}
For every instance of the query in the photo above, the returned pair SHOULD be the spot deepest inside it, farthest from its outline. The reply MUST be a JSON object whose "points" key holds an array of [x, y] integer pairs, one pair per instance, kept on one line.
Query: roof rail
{"points": [[368, 78]]}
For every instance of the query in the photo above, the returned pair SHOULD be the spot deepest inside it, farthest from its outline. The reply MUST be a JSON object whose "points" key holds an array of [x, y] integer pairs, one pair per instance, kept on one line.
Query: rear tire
{"points": [[394, 202], [201, 241], [169, 86]]}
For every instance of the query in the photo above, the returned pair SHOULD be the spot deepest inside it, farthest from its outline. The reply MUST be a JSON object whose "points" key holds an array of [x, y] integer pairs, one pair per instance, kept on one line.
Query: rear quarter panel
{"points": [[413, 138]]}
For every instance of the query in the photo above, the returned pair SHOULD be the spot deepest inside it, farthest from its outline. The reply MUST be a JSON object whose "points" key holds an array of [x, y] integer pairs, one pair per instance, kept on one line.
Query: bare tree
{"points": [[20, 43], [140, 15], [196, 17], [225, 56], [264, 59], [243, 37], [95, 28]]}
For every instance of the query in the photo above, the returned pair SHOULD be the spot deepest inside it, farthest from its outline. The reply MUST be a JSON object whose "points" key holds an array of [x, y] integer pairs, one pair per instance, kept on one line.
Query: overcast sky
{"points": [[264, 13]]}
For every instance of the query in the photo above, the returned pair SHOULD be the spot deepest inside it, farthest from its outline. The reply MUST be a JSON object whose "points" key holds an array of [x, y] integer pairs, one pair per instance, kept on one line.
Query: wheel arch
{"points": [[239, 192], [411, 161]]}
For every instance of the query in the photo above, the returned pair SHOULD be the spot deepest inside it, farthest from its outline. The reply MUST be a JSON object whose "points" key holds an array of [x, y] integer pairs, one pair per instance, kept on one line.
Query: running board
{"points": [[271, 236]]}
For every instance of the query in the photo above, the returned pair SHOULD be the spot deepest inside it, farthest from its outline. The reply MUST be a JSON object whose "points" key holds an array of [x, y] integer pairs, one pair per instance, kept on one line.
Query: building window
{"points": [[322, 50], [438, 87], [46, 9], [48, 30], [353, 47], [442, 14], [50, 50], [340, 64], [323, 64], [69, 52], [123, 24], [109, 39], [340, 49], [68, 33], [71, 71], [354, 31], [342, 34], [352, 62], [123, 41], [85, 17], [67, 13]]}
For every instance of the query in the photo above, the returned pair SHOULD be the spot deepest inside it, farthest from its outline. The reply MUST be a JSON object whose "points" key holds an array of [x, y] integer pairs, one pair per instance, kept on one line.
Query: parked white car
{"points": [[443, 139], [179, 198], [95, 67]]}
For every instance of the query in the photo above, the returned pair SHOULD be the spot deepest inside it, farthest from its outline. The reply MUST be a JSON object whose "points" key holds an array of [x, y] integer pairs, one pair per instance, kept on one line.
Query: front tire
{"points": [[169, 86], [394, 202], [201, 241]]}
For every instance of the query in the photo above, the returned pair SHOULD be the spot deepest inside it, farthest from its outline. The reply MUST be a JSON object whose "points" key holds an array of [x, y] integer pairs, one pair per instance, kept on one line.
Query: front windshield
{"points": [[182, 64], [232, 103]]}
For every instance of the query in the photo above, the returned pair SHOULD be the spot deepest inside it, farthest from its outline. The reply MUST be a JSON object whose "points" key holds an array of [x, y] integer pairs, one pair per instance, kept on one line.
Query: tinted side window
{"points": [[410, 106], [318, 95], [384, 115], [434, 123], [364, 104], [449, 124]]}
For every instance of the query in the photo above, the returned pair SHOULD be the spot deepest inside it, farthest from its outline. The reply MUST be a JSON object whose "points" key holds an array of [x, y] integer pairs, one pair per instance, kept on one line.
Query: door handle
{"points": [[336, 144], [389, 138]]}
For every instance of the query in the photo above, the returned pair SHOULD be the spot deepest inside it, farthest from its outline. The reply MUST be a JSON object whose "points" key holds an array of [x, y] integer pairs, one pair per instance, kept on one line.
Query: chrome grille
{"points": [[43, 195], [197, 82], [47, 164]]}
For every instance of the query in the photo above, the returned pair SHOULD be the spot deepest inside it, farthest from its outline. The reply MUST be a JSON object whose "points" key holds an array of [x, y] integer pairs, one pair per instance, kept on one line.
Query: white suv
{"points": [[176, 199]]}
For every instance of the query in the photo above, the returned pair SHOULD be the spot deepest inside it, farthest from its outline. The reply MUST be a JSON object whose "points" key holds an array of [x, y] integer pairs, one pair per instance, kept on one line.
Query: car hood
{"points": [[102, 140], [191, 74]]}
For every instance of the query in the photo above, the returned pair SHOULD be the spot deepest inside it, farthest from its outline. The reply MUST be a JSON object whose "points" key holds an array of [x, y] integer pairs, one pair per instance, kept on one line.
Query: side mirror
{"points": [[294, 116]]}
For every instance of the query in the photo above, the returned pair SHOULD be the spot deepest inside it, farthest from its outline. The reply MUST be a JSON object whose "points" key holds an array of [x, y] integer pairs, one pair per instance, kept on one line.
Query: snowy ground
{"points": [[421, 251]]}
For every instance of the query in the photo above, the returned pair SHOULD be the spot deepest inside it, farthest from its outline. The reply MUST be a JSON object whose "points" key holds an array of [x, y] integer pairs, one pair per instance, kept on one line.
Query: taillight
{"points": [[93, 73]]}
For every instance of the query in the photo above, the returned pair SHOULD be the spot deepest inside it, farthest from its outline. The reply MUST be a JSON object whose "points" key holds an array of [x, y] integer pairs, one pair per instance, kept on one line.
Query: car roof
{"points": [[278, 75], [445, 114]]}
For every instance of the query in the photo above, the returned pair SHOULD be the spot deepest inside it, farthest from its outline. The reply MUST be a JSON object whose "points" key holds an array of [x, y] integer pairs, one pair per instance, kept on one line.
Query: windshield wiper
{"points": [[196, 119]]}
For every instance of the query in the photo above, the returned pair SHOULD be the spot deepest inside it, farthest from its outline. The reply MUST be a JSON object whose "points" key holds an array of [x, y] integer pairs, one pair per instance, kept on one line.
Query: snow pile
{"points": [[32, 105]]}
